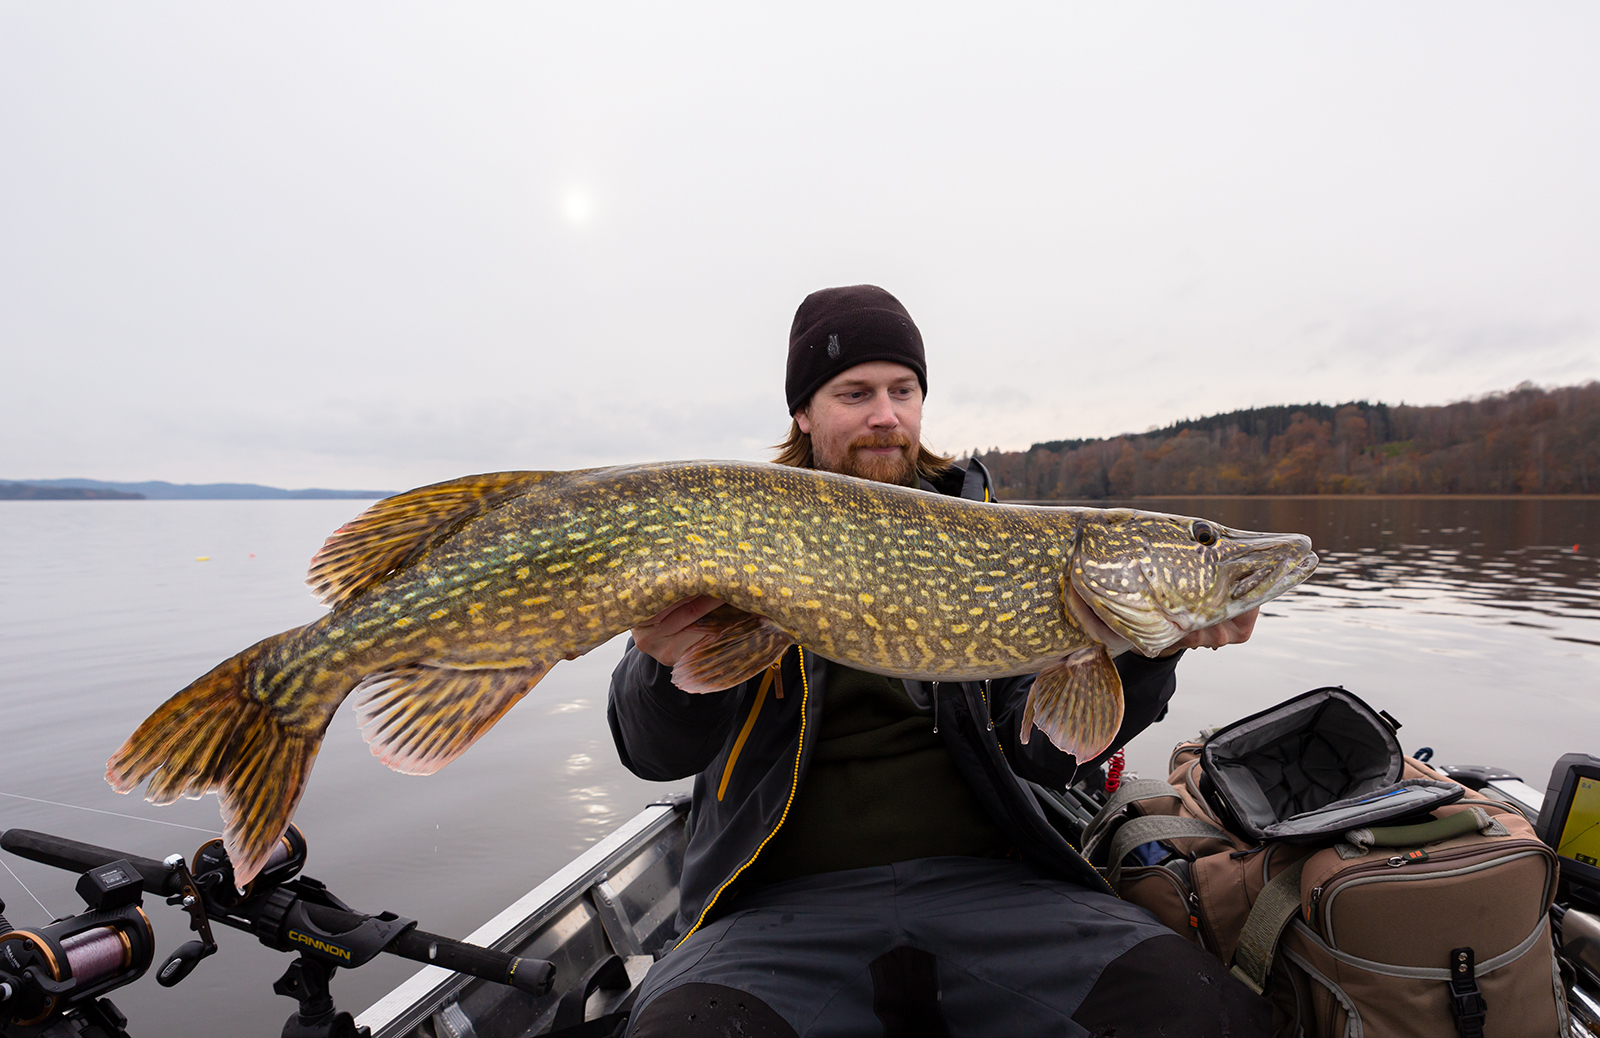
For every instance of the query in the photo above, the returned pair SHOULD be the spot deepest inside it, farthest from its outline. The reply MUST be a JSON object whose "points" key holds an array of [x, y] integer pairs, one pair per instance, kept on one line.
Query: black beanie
{"points": [[838, 328]]}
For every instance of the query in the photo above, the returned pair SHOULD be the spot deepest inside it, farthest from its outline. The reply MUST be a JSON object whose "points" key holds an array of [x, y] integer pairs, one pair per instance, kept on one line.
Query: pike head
{"points": [[1145, 580]]}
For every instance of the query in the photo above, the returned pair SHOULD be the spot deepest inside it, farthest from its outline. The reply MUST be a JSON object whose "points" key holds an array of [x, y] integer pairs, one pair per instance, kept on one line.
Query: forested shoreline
{"points": [[1526, 441]]}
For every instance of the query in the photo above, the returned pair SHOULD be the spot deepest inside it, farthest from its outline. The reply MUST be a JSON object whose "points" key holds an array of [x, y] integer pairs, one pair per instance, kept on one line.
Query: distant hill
{"points": [[33, 492], [158, 490], [1526, 441]]}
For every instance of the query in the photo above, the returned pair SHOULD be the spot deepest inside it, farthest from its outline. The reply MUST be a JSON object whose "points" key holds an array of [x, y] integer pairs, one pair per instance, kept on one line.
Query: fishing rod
{"points": [[53, 978]]}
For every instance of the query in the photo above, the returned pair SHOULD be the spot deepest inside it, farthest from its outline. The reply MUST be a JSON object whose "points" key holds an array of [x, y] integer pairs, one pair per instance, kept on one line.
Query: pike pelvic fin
{"points": [[214, 737], [739, 646], [395, 532], [1077, 703], [421, 718]]}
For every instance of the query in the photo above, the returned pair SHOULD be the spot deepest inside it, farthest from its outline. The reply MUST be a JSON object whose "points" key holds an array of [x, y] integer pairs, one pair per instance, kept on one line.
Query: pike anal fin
{"points": [[419, 719], [737, 647], [1077, 703], [214, 737]]}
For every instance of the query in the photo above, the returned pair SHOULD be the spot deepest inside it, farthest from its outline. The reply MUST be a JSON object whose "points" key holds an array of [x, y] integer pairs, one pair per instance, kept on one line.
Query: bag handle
{"points": [[1258, 941], [1131, 791], [1137, 832], [1473, 820]]}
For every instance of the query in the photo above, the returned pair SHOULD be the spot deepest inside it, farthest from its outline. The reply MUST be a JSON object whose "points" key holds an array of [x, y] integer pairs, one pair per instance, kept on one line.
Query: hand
{"points": [[1228, 632], [666, 636]]}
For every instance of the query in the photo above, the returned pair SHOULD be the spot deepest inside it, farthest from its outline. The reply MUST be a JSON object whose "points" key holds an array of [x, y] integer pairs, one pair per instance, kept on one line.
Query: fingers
{"points": [[1228, 632], [666, 636], [691, 609]]}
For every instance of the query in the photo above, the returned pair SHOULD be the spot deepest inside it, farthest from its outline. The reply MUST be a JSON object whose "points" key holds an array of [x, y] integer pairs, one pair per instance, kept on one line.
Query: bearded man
{"points": [[869, 856]]}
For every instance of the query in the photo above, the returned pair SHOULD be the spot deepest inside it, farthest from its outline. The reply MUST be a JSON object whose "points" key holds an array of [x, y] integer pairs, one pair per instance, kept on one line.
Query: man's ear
{"points": [[802, 418]]}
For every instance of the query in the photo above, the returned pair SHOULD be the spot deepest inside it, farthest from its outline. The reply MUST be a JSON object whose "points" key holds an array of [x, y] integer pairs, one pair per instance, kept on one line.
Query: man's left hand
{"points": [[1228, 632]]}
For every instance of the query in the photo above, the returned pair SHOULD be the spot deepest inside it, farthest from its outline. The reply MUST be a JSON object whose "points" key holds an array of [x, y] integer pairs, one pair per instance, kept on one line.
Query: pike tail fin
{"points": [[1077, 703], [215, 737]]}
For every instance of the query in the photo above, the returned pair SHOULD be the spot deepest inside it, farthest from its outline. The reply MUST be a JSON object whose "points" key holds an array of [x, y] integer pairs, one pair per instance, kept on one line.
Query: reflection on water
{"points": [[1547, 589]]}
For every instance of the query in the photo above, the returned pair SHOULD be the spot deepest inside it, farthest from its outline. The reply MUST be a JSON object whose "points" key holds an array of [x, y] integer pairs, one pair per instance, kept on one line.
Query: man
{"points": [[867, 855]]}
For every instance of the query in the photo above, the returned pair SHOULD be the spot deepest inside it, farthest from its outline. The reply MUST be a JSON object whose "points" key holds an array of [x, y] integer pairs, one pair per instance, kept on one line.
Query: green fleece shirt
{"points": [[881, 788]]}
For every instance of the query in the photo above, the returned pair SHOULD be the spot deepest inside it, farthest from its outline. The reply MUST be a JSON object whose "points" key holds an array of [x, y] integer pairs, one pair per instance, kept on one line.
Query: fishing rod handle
{"points": [[534, 976], [62, 853], [359, 937]]}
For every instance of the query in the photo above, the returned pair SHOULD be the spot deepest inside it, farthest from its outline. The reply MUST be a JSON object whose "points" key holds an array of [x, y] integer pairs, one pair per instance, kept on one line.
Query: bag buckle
{"points": [[1467, 1004]]}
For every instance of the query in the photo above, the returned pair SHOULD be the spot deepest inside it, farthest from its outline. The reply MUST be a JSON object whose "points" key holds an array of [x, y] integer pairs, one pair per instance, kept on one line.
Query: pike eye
{"points": [[1203, 532]]}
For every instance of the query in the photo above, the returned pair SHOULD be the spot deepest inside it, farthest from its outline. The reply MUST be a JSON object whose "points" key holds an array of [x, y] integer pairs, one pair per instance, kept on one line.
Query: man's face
{"points": [[867, 421]]}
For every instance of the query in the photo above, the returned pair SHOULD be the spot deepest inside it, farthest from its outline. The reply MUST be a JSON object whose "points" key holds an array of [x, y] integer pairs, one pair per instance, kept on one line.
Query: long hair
{"points": [[795, 450]]}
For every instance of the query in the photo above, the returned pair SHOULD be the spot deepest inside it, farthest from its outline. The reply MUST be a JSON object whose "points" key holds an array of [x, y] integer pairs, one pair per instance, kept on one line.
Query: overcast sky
{"points": [[344, 245]]}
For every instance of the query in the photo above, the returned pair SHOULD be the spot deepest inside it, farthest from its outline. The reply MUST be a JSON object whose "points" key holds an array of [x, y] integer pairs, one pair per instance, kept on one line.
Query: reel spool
{"points": [[283, 864], [73, 960]]}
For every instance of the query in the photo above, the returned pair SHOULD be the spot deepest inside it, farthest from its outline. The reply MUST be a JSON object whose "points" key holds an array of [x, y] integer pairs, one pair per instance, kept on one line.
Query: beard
{"points": [[899, 468]]}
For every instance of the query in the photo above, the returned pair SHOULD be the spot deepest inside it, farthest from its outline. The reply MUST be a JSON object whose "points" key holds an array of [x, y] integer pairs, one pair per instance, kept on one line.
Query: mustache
{"points": [[897, 439]]}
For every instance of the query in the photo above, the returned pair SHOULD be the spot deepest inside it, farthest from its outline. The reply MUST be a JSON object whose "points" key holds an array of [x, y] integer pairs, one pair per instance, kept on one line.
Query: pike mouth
{"points": [[1269, 577]]}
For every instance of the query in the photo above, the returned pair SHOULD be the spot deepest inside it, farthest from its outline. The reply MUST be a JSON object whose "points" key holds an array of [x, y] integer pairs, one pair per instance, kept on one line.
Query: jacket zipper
{"points": [[999, 774], [749, 723], [794, 787]]}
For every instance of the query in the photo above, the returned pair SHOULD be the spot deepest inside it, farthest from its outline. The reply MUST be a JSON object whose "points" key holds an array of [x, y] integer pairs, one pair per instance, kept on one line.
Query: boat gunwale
{"points": [[404, 1007]]}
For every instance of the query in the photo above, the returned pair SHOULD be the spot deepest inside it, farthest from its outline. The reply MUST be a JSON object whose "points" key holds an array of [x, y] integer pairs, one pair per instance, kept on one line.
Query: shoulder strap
{"points": [[1258, 941], [1131, 791], [1137, 832]]}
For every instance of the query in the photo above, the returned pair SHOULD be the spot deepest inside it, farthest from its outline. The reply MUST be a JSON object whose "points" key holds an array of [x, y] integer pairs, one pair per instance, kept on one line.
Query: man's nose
{"points": [[882, 415]]}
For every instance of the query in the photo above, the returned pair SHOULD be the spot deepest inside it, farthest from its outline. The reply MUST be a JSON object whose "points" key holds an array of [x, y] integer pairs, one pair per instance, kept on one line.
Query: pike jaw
{"points": [[1145, 580]]}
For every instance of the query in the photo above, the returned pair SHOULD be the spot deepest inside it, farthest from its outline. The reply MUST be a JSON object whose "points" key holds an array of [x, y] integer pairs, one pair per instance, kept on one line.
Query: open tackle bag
{"points": [[1363, 892]]}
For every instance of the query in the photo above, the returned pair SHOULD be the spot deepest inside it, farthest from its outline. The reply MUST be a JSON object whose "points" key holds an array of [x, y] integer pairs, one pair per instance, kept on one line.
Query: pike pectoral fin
{"points": [[421, 718], [740, 645], [1076, 703], [398, 530]]}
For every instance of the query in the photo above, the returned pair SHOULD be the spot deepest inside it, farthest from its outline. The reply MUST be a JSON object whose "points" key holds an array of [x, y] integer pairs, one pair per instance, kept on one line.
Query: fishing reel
{"points": [[52, 977], [213, 872]]}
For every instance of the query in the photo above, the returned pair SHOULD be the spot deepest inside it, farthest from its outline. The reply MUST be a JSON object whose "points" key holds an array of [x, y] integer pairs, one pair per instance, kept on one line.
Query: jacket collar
{"points": [[971, 483]]}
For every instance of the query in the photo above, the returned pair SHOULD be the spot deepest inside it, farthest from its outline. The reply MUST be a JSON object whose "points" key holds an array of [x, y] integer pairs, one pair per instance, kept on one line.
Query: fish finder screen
{"points": [[1580, 837]]}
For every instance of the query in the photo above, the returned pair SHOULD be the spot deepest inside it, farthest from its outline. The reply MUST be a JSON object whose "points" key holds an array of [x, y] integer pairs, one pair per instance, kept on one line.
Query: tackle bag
{"points": [[1363, 892]]}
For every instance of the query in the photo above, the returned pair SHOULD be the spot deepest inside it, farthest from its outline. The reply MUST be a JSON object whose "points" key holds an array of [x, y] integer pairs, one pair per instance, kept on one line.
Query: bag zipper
{"points": [[1325, 894]]}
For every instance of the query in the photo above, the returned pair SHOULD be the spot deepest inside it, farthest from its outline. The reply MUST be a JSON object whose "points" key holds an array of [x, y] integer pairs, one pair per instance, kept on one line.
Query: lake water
{"points": [[1475, 622]]}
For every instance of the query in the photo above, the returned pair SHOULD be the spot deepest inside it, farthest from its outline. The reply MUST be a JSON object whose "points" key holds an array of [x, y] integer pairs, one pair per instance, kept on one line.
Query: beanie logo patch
{"points": [[833, 347]]}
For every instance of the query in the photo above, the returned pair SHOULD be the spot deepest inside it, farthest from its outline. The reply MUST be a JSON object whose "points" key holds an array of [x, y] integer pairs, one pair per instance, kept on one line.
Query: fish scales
{"points": [[450, 602], [950, 593]]}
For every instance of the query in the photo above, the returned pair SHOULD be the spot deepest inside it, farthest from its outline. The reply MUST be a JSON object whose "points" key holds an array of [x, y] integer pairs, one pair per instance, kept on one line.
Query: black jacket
{"points": [[748, 748]]}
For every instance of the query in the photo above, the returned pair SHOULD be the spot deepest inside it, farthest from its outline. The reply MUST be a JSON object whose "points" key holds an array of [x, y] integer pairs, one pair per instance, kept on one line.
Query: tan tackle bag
{"points": [[1431, 927]]}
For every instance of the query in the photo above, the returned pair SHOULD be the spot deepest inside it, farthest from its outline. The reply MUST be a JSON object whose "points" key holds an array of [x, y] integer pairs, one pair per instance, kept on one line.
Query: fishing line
{"points": [[114, 814], [30, 893]]}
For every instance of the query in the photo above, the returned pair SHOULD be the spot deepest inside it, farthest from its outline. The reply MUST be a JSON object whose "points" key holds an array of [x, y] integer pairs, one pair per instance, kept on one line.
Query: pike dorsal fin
{"points": [[398, 530]]}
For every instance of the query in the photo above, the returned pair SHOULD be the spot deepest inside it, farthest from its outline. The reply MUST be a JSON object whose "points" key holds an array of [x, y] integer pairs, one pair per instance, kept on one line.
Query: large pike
{"points": [[450, 602]]}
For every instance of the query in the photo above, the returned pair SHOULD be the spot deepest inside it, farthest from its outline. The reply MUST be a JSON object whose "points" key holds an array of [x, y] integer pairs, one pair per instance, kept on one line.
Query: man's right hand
{"points": [[666, 636]]}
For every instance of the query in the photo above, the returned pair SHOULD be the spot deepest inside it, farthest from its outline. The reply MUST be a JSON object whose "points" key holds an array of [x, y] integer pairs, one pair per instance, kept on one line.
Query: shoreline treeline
{"points": [[1526, 441], [33, 492]]}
